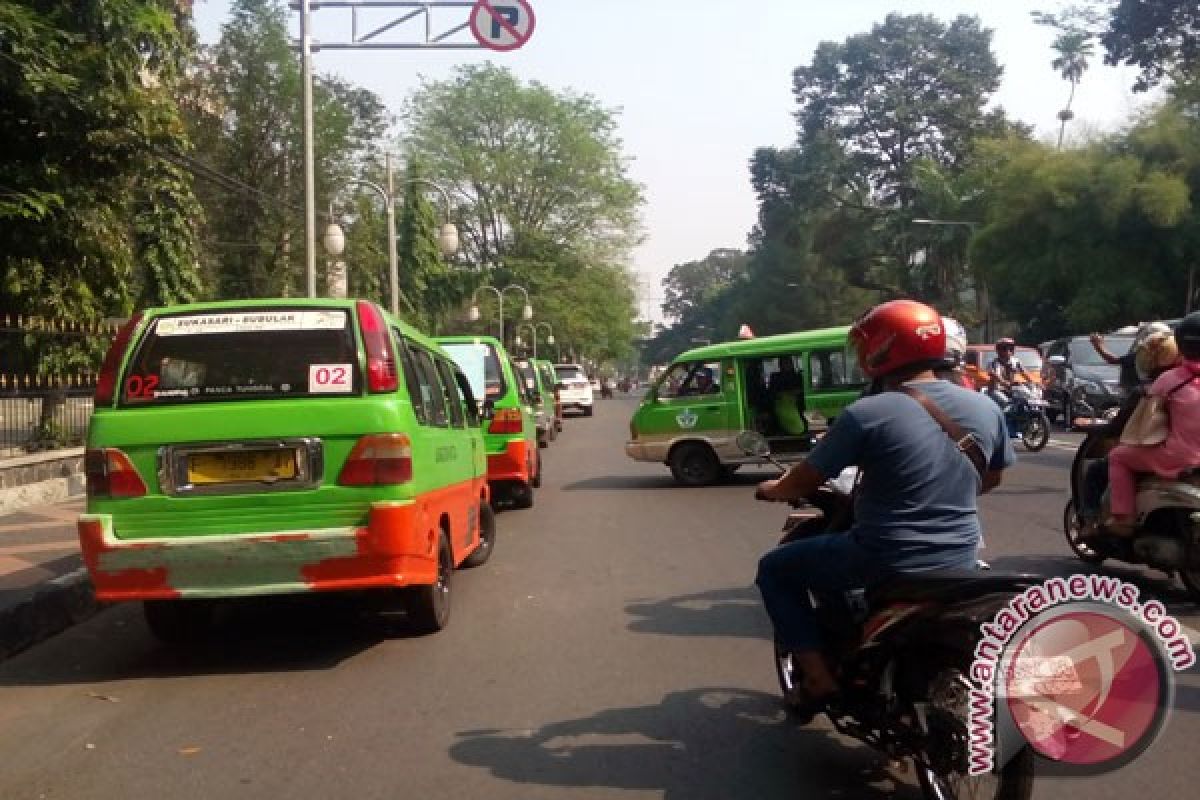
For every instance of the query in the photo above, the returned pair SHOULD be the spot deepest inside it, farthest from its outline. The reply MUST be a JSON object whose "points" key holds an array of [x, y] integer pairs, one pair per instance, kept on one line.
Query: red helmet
{"points": [[898, 334]]}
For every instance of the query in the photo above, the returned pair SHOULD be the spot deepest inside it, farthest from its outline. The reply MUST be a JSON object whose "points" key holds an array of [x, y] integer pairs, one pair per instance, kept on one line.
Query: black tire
{"points": [[429, 606], [1068, 413], [587, 411], [543, 440], [1073, 530], [179, 621], [1190, 578], [487, 537], [729, 470], [521, 495], [941, 771], [695, 464], [1036, 432], [537, 476]]}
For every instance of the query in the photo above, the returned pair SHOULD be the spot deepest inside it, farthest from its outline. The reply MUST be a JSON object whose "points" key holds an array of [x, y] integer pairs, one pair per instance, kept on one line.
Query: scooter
{"points": [[1026, 415], [904, 650], [1167, 536]]}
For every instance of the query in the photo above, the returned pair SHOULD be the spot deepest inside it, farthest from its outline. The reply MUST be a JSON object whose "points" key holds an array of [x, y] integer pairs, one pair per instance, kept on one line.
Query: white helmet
{"points": [[956, 341]]}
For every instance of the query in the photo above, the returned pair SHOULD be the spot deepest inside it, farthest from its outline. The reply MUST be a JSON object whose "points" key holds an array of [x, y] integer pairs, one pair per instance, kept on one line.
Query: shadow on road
{"points": [[664, 481], [721, 612], [694, 745], [285, 634]]}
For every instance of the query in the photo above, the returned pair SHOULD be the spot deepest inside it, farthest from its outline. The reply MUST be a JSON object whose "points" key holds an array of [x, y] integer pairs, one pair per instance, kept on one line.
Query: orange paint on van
{"points": [[512, 464]]}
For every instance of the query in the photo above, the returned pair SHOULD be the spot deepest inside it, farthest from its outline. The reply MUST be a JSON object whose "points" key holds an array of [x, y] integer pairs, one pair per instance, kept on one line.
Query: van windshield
{"points": [[244, 355], [480, 363]]}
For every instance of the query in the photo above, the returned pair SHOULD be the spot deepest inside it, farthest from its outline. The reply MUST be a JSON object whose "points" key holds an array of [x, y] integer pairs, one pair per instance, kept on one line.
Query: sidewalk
{"points": [[43, 588]]}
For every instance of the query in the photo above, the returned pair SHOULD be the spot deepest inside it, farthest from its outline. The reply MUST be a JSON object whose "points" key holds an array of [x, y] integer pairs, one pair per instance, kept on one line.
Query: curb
{"points": [[62, 602]]}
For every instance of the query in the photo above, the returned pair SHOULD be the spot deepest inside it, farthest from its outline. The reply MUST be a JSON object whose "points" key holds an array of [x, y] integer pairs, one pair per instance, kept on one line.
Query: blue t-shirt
{"points": [[916, 506]]}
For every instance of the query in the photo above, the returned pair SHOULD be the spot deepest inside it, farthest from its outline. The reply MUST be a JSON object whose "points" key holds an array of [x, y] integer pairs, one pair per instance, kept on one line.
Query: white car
{"points": [[577, 390]]}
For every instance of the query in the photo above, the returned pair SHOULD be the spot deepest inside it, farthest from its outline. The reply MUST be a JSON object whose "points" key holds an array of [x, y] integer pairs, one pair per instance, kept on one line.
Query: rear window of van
{"points": [[480, 363], [244, 355]]}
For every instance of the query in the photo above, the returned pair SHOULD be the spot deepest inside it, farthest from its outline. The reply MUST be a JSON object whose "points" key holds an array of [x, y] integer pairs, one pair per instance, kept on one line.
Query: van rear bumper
{"points": [[388, 553], [510, 465]]}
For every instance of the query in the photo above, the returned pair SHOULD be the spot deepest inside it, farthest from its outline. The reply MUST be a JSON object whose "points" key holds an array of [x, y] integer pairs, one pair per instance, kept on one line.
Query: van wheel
{"points": [[521, 495], [429, 606], [695, 464], [179, 621], [537, 476], [487, 537], [587, 411]]}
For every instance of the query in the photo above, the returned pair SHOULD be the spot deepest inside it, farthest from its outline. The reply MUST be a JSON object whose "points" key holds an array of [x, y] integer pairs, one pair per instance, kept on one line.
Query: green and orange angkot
{"points": [[279, 446], [787, 387], [509, 425]]}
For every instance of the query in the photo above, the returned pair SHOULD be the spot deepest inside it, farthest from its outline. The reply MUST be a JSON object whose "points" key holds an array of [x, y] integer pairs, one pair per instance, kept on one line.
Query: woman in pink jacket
{"points": [[1181, 388]]}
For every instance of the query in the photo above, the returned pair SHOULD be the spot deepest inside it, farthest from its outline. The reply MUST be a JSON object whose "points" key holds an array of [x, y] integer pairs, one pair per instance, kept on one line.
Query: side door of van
{"points": [[834, 381], [696, 397]]}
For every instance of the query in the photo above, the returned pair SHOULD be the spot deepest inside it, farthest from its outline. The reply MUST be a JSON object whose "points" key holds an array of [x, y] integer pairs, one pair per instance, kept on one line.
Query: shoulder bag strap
{"points": [[963, 440]]}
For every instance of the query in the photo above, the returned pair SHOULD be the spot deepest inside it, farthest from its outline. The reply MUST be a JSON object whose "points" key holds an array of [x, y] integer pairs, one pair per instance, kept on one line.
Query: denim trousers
{"points": [[826, 564]]}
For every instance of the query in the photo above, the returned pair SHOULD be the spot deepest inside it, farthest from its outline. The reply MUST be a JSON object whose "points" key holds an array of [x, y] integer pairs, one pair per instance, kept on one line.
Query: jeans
{"points": [[828, 563]]}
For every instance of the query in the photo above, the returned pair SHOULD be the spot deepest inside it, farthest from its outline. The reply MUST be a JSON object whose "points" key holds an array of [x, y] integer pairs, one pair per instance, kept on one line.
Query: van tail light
{"points": [[380, 459], [110, 473], [506, 420], [381, 360], [106, 383]]}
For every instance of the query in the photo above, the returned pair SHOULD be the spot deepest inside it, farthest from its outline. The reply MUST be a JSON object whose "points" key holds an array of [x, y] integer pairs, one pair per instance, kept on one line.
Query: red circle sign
{"points": [[502, 24]]}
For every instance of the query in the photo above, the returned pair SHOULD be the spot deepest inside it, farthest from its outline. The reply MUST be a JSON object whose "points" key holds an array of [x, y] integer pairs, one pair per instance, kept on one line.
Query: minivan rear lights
{"points": [[506, 420], [379, 459], [381, 360], [110, 473]]}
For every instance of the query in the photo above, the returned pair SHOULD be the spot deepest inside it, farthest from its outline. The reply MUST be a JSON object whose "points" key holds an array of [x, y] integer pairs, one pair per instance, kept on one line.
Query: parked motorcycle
{"points": [[1026, 415], [904, 649], [1167, 536]]}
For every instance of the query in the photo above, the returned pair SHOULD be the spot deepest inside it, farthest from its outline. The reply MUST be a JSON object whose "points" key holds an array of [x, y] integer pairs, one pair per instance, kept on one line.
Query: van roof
{"points": [[289, 302], [768, 345]]}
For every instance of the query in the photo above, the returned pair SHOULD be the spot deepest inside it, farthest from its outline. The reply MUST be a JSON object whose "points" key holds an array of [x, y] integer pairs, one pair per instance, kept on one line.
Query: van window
{"points": [[409, 365], [692, 379], [432, 392], [246, 354], [454, 402], [834, 369], [480, 362]]}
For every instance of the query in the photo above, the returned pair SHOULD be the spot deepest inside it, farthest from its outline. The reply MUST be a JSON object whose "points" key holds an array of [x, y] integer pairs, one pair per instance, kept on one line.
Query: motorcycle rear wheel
{"points": [[1073, 530], [949, 698]]}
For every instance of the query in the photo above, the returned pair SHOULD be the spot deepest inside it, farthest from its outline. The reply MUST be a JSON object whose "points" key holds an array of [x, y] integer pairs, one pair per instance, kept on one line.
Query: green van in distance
{"points": [[542, 395], [787, 387], [514, 466], [265, 447]]}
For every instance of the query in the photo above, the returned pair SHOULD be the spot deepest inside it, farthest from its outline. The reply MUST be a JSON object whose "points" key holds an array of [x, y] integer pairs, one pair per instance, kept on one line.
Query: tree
{"points": [[1074, 50], [525, 161], [95, 216]]}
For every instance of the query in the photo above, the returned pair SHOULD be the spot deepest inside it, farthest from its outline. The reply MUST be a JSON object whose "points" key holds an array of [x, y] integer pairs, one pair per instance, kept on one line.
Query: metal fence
{"points": [[44, 404]]}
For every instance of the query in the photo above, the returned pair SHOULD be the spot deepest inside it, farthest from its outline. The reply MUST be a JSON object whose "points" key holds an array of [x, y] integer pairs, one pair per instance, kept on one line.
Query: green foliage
{"points": [[94, 217]]}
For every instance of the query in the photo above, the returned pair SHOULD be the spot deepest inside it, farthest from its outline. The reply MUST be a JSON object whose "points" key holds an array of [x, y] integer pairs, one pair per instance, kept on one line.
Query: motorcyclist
{"points": [[1003, 371], [915, 506]]}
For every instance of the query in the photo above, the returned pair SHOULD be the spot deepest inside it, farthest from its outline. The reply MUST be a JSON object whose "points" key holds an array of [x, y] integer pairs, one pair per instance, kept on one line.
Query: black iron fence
{"points": [[47, 379]]}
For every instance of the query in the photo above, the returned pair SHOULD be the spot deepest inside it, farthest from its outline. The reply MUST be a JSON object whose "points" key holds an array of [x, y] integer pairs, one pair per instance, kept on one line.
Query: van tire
{"points": [[487, 537], [429, 606], [537, 476], [694, 464], [587, 411], [179, 621], [520, 495]]}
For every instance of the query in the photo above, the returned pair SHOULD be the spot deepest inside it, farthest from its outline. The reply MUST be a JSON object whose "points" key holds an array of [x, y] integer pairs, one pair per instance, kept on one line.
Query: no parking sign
{"points": [[502, 24]]}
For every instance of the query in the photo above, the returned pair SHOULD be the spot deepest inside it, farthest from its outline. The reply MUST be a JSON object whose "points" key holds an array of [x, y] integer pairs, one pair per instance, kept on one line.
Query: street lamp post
{"points": [[533, 332], [475, 316], [447, 235]]}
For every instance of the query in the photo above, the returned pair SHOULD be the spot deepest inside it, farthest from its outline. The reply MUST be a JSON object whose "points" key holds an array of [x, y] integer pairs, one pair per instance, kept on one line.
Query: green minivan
{"points": [[542, 395], [787, 387], [514, 467], [280, 446]]}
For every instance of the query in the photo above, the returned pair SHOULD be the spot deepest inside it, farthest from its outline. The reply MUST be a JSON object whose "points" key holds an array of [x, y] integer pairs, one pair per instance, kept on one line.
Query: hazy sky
{"points": [[699, 84]]}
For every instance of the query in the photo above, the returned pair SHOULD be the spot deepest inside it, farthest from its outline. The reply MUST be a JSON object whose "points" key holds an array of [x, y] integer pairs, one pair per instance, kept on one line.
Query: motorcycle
{"points": [[1026, 415], [904, 649], [1167, 536]]}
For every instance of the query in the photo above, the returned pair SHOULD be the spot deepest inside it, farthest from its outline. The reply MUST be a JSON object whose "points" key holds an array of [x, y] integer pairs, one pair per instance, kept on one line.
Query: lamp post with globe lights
{"points": [[533, 329], [474, 315]]}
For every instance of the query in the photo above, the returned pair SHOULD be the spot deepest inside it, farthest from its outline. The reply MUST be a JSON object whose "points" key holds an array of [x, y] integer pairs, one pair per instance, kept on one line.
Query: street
{"points": [[614, 646]]}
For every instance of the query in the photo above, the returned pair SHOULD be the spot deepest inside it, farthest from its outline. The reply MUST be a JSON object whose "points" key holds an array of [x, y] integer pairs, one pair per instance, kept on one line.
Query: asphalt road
{"points": [[612, 647]]}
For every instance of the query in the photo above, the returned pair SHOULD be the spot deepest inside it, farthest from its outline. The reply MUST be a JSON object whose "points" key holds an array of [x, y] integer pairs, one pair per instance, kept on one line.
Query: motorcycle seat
{"points": [[946, 586]]}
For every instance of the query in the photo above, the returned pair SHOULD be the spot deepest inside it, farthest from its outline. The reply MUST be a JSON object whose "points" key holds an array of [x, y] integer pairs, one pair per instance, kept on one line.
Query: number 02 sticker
{"points": [[329, 378]]}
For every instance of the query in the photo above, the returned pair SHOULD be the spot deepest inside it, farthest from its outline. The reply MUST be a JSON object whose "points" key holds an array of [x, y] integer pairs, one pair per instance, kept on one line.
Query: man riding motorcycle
{"points": [[915, 506], [1003, 371]]}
